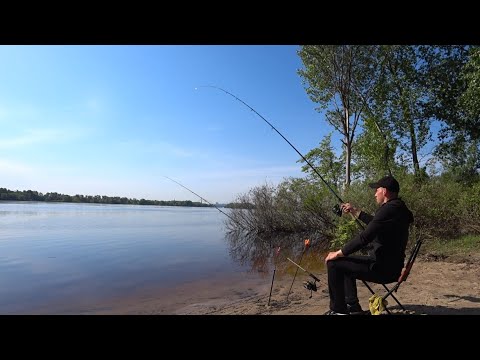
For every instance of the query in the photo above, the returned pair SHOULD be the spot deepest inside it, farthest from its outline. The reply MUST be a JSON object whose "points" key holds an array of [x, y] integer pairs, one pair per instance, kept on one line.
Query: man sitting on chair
{"points": [[388, 233]]}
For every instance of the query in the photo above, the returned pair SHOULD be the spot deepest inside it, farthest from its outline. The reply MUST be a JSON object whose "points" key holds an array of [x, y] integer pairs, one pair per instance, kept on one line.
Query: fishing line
{"points": [[201, 198], [235, 221], [289, 143], [337, 209], [279, 133]]}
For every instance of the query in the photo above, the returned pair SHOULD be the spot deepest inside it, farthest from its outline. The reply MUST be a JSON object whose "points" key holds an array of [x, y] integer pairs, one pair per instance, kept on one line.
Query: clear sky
{"points": [[114, 120]]}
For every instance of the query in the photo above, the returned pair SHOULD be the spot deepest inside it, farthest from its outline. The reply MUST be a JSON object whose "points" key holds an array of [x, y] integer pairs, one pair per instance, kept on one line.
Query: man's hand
{"points": [[348, 208], [333, 255]]}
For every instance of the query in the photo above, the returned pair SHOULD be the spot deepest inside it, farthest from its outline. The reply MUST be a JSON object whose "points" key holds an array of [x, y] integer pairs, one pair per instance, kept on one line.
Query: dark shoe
{"points": [[355, 309], [331, 312]]}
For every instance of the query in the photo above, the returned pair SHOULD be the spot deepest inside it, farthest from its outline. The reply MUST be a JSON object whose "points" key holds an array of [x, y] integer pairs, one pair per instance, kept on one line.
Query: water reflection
{"points": [[259, 254]]}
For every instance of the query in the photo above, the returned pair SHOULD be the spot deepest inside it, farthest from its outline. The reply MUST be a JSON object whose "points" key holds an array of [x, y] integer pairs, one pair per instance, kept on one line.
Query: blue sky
{"points": [[114, 120]]}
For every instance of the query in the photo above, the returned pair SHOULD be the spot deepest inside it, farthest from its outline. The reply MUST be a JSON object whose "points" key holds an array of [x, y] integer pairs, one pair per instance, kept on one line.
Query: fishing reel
{"points": [[337, 210], [310, 285]]}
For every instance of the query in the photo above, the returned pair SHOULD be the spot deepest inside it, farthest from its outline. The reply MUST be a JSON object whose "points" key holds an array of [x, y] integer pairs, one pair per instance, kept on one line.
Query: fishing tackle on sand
{"points": [[309, 285], [307, 245]]}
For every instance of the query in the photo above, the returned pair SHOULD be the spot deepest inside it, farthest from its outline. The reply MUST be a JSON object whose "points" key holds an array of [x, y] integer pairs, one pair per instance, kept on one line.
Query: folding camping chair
{"points": [[403, 276]]}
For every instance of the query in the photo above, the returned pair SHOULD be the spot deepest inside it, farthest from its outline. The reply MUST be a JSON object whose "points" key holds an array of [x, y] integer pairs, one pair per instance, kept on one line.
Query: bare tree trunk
{"points": [[413, 148], [348, 162], [411, 131], [348, 149]]}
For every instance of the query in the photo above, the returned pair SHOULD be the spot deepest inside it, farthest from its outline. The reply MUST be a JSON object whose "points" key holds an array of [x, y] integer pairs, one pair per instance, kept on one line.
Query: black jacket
{"points": [[388, 233]]}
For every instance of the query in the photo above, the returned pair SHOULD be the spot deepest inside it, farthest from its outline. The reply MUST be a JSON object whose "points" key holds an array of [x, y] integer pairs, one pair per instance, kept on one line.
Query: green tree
{"points": [[450, 74], [460, 155], [398, 97], [335, 76], [326, 162], [470, 99], [374, 152], [460, 158], [445, 74]]}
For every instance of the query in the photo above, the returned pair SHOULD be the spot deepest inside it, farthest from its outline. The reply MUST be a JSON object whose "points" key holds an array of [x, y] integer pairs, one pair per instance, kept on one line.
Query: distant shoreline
{"points": [[30, 195]]}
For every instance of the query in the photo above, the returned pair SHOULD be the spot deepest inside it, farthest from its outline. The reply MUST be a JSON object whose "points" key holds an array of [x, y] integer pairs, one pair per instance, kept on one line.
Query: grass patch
{"points": [[465, 245]]}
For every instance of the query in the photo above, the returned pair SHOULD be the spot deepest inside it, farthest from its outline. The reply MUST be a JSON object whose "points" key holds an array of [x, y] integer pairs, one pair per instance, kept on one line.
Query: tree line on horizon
{"points": [[30, 195]]}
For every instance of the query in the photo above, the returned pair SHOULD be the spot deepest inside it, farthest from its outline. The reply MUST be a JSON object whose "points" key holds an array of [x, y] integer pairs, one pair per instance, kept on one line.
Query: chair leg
{"points": [[394, 298], [369, 288]]}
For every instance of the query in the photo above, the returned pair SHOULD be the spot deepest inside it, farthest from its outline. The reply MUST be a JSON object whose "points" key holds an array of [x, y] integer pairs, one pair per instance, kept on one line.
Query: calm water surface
{"points": [[55, 253]]}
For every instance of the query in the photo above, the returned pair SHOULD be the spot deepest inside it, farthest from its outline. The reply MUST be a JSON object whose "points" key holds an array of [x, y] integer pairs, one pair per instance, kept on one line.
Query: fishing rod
{"points": [[308, 272], [201, 198], [235, 221], [273, 276], [307, 245], [337, 210], [216, 207], [309, 285], [312, 286]]}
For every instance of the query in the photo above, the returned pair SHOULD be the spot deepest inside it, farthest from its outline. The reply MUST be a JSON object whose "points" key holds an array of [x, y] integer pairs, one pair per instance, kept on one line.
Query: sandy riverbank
{"points": [[434, 288]]}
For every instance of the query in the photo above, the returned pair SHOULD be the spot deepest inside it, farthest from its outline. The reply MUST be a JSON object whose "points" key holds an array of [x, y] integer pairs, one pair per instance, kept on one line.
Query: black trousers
{"points": [[343, 273]]}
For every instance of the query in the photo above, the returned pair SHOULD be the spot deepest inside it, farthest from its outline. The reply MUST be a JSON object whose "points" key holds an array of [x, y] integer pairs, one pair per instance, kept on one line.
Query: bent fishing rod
{"points": [[289, 143], [309, 285]]}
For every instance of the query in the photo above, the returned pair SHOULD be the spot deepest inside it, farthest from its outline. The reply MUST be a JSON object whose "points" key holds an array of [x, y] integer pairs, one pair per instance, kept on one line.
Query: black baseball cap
{"points": [[387, 182]]}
